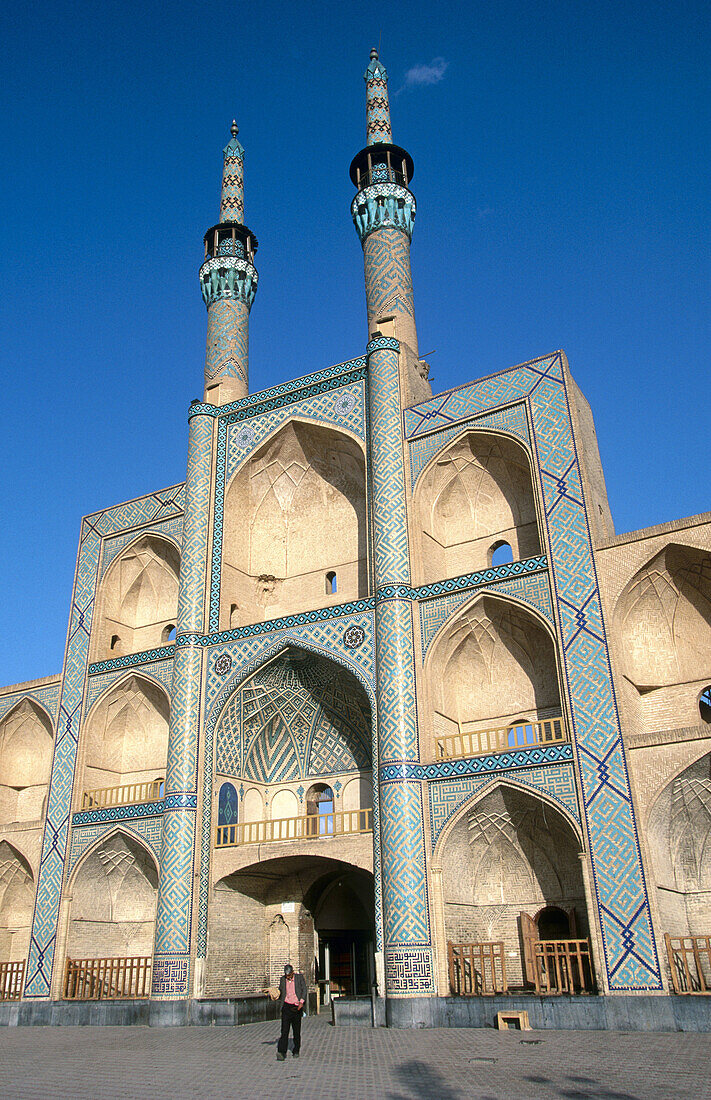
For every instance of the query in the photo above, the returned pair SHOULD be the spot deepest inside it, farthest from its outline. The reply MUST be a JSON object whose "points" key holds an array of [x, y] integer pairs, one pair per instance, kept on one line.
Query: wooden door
{"points": [[529, 936]]}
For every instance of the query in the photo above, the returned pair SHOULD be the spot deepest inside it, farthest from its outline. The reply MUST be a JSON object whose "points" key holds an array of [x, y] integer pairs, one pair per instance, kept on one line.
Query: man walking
{"points": [[292, 997]]}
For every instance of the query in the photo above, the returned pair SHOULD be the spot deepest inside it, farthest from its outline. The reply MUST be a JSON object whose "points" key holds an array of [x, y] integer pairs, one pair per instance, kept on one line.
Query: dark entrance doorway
{"points": [[342, 904]]}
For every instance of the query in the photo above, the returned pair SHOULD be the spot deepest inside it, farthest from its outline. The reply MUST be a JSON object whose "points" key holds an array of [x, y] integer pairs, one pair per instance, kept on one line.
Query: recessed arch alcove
{"points": [[125, 736], [507, 855], [114, 893], [663, 624], [138, 598], [294, 513], [473, 494], [679, 843], [492, 665], [313, 911], [26, 747], [17, 896]]}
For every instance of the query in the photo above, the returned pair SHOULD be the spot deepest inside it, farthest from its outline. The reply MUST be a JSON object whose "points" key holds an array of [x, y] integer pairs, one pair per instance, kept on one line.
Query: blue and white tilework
{"points": [[149, 829], [532, 590], [171, 529], [160, 672], [46, 696], [156, 507], [630, 954], [512, 421], [448, 795]]}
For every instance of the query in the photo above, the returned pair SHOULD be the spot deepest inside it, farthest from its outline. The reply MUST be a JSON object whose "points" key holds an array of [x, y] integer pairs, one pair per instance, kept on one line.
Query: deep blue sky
{"points": [[561, 154]]}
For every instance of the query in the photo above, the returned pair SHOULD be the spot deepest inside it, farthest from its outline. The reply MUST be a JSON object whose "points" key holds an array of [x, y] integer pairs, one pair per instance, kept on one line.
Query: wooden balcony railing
{"points": [[12, 975], [310, 827], [563, 966], [107, 979], [128, 795], [690, 963], [523, 735], [476, 969]]}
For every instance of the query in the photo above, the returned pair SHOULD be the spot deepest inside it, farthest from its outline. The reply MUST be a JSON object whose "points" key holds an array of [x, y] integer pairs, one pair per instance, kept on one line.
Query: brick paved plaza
{"points": [[175, 1063]]}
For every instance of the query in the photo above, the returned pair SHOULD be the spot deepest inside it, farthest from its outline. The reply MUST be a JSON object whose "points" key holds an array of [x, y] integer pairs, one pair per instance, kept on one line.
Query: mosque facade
{"points": [[377, 690]]}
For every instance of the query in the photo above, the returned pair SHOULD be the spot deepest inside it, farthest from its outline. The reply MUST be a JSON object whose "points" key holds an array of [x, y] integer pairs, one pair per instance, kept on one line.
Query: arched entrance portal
{"points": [[312, 911]]}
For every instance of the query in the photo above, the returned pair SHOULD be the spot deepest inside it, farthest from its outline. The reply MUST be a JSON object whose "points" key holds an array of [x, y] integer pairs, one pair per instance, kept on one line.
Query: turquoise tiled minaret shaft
{"points": [[228, 279], [409, 969], [384, 213], [171, 965]]}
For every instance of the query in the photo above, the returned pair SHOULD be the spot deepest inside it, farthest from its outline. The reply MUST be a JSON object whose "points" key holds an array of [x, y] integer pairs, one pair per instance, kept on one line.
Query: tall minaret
{"points": [[384, 214], [228, 279]]}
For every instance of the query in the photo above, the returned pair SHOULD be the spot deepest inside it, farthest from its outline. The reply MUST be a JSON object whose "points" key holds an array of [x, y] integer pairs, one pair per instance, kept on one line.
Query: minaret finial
{"points": [[232, 203], [377, 107]]}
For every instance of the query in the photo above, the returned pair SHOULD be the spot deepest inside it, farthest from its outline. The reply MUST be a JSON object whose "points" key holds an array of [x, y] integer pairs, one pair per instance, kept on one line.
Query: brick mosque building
{"points": [[378, 690]]}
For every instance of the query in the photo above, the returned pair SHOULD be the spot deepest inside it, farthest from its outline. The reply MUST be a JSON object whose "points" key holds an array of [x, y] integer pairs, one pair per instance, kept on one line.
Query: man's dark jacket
{"points": [[299, 988]]}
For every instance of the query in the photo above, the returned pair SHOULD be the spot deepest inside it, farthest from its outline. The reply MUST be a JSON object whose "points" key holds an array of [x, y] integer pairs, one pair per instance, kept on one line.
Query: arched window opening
{"points": [[115, 642], [168, 633], [521, 732], [705, 705], [331, 584], [555, 923], [228, 805], [501, 553], [159, 787], [319, 807], [234, 615]]}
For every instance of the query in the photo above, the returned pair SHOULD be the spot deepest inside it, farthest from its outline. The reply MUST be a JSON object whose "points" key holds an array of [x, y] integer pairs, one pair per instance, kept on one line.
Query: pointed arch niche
{"points": [[663, 623], [493, 664], [17, 897], [138, 599], [679, 841], [26, 746], [300, 717], [114, 896], [125, 736], [295, 514], [508, 854], [474, 495]]}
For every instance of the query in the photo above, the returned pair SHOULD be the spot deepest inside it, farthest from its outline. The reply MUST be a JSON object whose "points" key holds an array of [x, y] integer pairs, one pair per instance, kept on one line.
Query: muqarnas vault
{"points": [[377, 690]]}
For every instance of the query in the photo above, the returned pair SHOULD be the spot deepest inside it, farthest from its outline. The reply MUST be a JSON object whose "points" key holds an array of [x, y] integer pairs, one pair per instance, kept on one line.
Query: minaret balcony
{"points": [[382, 163], [384, 206]]}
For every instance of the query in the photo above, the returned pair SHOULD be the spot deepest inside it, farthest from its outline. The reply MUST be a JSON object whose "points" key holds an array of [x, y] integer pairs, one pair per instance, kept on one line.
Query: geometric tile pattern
{"points": [[480, 765], [293, 719], [174, 912], [171, 528], [47, 697], [532, 589], [377, 108], [404, 887], [337, 408], [170, 977], [447, 795], [511, 420], [401, 826], [325, 639], [194, 541], [150, 509], [389, 519], [338, 400], [388, 278], [397, 706], [227, 352], [118, 813], [323, 635], [132, 660], [232, 199], [630, 954], [286, 393], [157, 671], [148, 829]]}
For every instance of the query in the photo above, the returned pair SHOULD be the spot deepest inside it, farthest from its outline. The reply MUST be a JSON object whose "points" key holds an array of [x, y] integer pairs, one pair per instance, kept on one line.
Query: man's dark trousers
{"points": [[290, 1018]]}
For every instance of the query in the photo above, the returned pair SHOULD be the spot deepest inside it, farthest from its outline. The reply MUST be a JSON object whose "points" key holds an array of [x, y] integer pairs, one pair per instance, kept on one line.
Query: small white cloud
{"points": [[420, 75]]}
